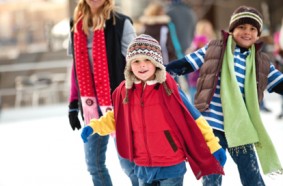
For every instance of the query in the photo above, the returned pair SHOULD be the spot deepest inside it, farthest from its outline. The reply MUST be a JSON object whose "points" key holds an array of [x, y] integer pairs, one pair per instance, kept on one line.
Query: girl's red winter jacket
{"points": [[133, 135], [153, 136]]}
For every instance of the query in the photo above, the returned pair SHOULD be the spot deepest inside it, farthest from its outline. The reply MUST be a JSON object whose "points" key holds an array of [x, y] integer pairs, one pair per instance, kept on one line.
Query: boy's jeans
{"points": [[246, 160], [95, 155], [166, 182]]}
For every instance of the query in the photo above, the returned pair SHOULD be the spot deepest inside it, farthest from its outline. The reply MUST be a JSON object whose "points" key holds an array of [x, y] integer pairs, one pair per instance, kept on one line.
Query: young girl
{"points": [[100, 39], [153, 127]]}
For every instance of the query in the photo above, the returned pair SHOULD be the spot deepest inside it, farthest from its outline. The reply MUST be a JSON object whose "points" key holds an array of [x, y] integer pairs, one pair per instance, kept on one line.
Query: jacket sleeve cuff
{"points": [[105, 125], [211, 140], [278, 88]]}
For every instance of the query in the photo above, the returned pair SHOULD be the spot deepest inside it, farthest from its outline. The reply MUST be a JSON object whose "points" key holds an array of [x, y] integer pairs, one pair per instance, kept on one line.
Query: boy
{"points": [[153, 127], [233, 75]]}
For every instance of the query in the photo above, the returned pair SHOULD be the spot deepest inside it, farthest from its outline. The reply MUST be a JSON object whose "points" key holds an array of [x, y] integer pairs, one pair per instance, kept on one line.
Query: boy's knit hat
{"points": [[246, 15], [144, 46]]}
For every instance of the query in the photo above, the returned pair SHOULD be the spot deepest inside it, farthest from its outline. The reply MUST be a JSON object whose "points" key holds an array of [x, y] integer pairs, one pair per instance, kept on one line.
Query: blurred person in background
{"points": [[198, 42], [158, 24], [100, 37], [205, 28], [203, 34], [184, 18]]}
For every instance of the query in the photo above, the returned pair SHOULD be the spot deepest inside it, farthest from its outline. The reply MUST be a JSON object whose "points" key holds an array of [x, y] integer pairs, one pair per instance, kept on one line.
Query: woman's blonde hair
{"points": [[96, 21]]}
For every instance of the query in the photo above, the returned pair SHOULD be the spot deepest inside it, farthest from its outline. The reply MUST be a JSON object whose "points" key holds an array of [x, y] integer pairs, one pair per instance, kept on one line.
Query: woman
{"points": [[100, 40]]}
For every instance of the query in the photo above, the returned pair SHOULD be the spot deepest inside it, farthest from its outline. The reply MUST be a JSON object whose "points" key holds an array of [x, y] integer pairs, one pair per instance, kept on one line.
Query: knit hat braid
{"points": [[144, 46], [246, 15]]}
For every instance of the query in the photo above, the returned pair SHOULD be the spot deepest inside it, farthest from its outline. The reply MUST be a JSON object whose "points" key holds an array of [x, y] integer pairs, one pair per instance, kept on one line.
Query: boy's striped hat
{"points": [[246, 15]]}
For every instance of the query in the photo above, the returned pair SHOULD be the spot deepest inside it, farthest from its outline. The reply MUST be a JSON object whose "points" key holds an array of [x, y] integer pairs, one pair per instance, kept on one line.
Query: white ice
{"points": [[38, 148]]}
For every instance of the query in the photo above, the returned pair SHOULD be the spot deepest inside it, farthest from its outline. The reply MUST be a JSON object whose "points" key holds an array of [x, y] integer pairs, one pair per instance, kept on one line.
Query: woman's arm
{"points": [[129, 34]]}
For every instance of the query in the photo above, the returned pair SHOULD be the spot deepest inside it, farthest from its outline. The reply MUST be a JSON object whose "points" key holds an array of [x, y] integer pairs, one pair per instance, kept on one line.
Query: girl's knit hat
{"points": [[246, 15], [144, 46]]}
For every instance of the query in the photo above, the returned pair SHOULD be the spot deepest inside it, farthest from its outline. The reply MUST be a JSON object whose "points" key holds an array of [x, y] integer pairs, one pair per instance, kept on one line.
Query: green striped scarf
{"points": [[242, 121]]}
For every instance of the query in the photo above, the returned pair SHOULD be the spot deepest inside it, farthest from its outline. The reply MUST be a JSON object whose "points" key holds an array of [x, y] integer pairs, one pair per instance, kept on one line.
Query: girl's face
{"points": [[143, 69], [95, 4], [245, 35]]}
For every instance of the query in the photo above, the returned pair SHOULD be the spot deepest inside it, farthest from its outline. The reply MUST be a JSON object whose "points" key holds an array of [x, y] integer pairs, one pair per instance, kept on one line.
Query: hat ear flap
{"points": [[160, 75], [129, 76]]}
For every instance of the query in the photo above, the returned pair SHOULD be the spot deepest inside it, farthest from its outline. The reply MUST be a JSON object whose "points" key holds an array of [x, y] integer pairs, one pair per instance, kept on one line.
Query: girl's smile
{"points": [[143, 68]]}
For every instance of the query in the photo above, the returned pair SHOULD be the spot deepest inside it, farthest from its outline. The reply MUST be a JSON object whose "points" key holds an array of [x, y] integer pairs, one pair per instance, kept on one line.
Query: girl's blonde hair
{"points": [[97, 20], [154, 9], [205, 27]]}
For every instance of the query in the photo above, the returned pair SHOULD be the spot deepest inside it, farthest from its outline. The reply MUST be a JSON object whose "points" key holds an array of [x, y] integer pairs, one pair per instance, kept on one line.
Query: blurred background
{"points": [[34, 67]]}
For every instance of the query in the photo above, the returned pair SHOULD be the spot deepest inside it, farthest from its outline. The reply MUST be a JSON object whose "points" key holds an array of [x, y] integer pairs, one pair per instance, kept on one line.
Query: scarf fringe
{"points": [[275, 174]]}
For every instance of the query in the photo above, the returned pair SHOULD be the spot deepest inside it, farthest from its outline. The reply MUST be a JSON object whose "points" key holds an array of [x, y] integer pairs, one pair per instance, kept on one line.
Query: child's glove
{"points": [[87, 131], [73, 115], [220, 155], [179, 67]]}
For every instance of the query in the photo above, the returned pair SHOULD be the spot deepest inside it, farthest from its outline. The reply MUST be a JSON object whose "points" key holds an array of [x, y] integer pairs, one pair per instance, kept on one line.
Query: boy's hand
{"points": [[87, 131], [220, 155]]}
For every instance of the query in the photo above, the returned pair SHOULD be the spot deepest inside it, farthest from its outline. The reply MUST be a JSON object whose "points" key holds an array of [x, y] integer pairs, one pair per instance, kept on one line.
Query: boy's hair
{"points": [[246, 15], [144, 46]]}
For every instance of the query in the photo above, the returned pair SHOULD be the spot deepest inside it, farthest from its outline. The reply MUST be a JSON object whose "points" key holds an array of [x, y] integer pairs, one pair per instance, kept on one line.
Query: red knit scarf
{"points": [[97, 88]]}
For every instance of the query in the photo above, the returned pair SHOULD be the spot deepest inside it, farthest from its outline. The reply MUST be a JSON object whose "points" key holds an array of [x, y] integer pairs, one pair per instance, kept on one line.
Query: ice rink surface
{"points": [[39, 148]]}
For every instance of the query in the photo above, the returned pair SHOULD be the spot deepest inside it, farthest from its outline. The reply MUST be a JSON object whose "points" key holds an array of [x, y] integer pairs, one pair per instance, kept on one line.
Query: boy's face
{"points": [[143, 68], [245, 35]]}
